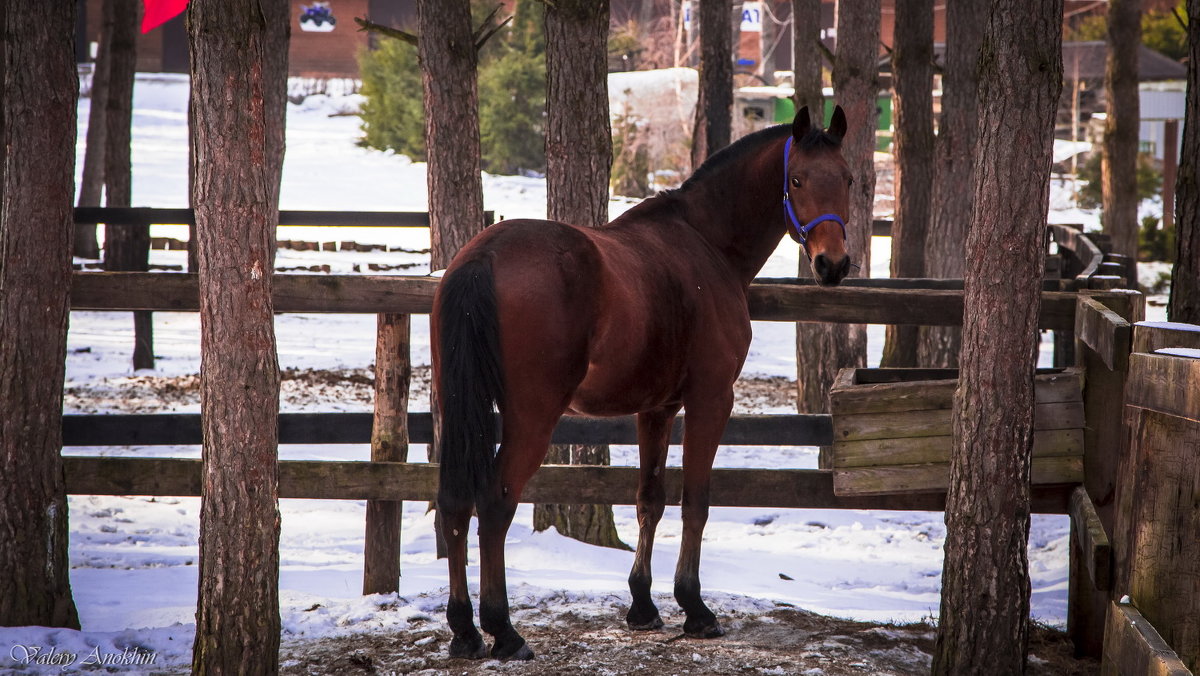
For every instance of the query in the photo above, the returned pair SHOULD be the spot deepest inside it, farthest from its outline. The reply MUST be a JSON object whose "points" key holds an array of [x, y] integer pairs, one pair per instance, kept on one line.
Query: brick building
{"points": [[318, 53]]}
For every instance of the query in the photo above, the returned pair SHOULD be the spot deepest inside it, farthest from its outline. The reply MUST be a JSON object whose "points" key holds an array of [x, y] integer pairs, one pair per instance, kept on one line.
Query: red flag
{"points": [[159, 12]]}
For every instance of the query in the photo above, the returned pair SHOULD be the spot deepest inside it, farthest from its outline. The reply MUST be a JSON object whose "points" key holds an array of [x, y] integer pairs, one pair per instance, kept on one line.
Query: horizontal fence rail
{"points": [[183, 429], [414, 295], [143, 216], [573, 484]]}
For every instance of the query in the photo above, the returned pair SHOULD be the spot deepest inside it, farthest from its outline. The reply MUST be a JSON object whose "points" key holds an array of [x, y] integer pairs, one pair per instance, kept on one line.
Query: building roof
{"points": [[1152, 66]]}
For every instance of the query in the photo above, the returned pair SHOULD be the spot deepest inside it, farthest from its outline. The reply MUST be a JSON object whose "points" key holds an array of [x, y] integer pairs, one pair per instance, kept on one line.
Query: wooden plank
{"points": [[1158, 552], [183, 429], [1107, 333], [414, 295], [884, 390], [1128, 303], [1164, 383], [780, 302], [1106, 282], [1132, 647], [917, 450], [143, 216], [1154, 336], [936, 422], [1092, 539], [904, 283], [573, 484], [934, 477]]}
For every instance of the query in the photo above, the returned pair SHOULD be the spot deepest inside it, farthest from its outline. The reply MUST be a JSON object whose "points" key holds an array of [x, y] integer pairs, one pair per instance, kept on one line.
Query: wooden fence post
{"points": [[1155, 544], [389, 443], [1103, 394]]}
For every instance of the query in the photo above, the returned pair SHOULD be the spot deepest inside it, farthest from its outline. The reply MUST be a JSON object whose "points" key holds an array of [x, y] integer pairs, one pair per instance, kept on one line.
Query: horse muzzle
{"points": [[830, 272]]}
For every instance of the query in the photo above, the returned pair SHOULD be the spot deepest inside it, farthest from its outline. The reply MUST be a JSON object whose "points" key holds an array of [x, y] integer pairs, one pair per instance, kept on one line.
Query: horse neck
{"points": [[739, 210]]}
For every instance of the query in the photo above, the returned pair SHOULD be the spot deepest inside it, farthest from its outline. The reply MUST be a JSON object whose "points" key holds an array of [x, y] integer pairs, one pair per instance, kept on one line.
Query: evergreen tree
{"points": [[512, 95]]}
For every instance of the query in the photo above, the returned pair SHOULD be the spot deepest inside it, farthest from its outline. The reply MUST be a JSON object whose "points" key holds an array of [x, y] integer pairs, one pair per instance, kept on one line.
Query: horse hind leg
{"points": [[520, 455], [467, 641], [704, 424], [654, 430]]}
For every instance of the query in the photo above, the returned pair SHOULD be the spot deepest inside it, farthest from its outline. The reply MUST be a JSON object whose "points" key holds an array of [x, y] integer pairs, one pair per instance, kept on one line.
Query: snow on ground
{"points": [[133, 559]]}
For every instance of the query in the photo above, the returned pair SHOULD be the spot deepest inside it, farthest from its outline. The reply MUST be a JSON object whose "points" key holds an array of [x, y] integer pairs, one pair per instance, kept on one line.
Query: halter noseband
{"points": [[803, 230]]}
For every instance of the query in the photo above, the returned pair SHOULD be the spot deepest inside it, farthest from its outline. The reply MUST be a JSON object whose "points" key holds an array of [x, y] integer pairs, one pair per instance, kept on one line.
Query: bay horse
{"points": [[645, 315]]}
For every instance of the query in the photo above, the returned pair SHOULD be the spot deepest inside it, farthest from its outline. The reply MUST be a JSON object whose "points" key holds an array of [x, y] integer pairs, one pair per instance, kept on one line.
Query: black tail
{"points": [[470, 382]]}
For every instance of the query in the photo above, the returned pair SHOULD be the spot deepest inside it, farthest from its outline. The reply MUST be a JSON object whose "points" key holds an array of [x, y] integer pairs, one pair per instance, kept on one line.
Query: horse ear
{"points": [[801, 124], [837, 125]]}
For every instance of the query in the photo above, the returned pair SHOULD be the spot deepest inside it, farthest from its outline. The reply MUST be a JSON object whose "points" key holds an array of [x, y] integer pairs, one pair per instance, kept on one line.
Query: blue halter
{"points": [[803, 230]]}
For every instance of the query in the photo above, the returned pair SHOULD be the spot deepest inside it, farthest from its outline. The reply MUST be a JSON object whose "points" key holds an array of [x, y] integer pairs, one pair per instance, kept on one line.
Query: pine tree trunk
{"points": [[954, 187], [38, 98], [912, 66], [126, 248], [984, 622], [238, 99], [91, 184], [578, 160], [714, 109], [824, 349], [1185, 277], [1119, 161], [806, 59], [448, 78]]}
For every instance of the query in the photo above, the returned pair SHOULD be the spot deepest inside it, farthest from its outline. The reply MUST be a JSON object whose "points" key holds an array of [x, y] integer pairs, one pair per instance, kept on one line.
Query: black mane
{"points": [[815, 139]]}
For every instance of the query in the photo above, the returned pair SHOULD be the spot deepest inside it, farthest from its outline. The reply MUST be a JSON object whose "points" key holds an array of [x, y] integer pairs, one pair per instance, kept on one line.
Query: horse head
{"points": [[817, 194]]}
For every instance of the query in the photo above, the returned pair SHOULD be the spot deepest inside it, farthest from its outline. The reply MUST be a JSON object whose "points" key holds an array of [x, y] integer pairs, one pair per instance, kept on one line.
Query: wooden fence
{"points": [[1081, 302], [1135, 559]]}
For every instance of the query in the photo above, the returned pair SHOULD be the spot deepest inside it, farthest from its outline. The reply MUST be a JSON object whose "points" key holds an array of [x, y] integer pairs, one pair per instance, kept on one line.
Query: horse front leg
{"points": [[654, 432], [704, 423]]}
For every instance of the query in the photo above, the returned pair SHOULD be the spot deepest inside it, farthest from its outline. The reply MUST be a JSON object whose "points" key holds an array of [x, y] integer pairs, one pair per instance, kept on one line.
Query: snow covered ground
{"points": [[133, 559]]}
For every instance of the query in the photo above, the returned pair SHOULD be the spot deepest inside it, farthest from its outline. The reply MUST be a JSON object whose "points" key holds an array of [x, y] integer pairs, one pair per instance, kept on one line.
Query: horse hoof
{"points": [[647, 625], [712, 630], [468, 649], [505, 654]]}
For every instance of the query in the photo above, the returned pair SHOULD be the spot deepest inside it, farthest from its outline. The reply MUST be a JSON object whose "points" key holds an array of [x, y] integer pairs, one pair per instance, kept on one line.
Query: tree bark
{"points": [[824, 349], [983, 625], [714, 109], [954, 188], [126, 248], [1119, 160], [238, 99], [449, 64], [578, 160], [91, 184], [38, 99], [448, 78], [912, 68], [806, 58], [1184, 305]]}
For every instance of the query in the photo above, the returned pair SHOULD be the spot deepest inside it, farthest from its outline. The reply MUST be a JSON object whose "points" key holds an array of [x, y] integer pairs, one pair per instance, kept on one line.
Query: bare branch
{"points": [[484, 33], [371, 26]]}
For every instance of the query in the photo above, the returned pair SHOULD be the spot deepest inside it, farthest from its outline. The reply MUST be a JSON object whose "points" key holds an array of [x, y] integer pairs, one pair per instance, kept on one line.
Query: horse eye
{"points": [[795, 182]]}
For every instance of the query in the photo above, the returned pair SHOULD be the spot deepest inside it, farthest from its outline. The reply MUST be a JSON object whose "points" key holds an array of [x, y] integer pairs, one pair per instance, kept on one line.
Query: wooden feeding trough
{"points": [[892, 429]]}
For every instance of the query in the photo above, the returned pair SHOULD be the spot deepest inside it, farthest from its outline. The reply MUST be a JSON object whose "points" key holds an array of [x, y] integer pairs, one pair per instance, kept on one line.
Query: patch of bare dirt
{"points": [[783, 641], [334, 389]]}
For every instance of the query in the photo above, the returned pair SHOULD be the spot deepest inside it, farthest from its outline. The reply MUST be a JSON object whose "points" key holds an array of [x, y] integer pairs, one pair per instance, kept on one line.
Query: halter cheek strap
{"points": [[802, 230]]}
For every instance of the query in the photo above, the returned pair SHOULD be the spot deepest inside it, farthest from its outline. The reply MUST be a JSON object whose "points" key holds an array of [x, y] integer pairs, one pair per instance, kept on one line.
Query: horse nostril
{"points": [[821, 265]]}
